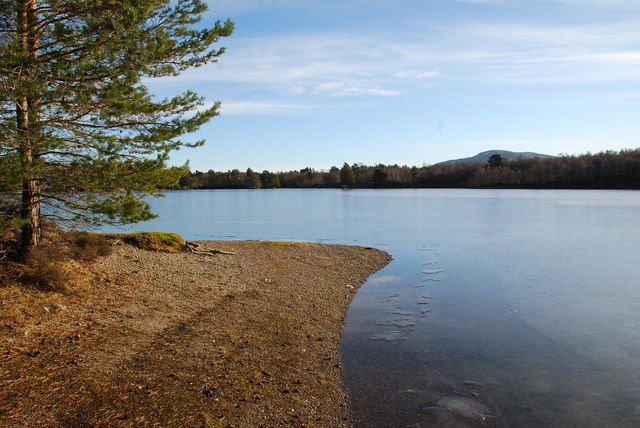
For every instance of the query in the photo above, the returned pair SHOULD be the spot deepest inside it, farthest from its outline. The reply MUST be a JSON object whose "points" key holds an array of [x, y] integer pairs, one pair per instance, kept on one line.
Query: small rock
{"points": [[208, 391], [55, 307]]}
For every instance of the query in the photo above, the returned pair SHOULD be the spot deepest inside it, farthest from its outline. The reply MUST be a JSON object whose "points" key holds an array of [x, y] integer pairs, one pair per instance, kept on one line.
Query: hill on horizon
{"points": [[483, 157]]}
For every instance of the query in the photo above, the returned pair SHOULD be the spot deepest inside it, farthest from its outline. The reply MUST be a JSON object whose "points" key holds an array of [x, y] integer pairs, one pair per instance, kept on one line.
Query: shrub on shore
{"points": [[89, 246], [153, 241], [50, 267], [47, 270], [59, 261]]}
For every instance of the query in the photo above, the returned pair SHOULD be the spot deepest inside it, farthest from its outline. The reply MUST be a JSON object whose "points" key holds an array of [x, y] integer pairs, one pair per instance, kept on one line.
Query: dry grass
{"points": [[46, 271], [49, 268], [64, 255]]}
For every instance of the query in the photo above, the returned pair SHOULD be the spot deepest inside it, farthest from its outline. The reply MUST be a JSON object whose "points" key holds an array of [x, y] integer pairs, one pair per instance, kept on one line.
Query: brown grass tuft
{"points": [[89, 246], [53, 266], [44, 269]]}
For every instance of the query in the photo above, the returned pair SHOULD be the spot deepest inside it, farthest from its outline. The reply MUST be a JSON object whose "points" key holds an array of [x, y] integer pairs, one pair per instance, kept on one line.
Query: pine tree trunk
{"points": [[31, 233]]}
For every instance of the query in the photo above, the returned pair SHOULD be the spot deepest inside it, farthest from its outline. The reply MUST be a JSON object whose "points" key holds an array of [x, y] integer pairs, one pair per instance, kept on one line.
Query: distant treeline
{"points": [[606, 170]]}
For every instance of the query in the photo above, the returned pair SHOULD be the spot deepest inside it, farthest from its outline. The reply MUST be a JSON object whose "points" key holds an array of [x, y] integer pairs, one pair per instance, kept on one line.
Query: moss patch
{"points": [[153, 241]]}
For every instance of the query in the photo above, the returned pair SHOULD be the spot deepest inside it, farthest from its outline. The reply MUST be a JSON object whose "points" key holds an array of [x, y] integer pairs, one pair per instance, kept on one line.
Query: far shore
{"points": [[182, 339]]}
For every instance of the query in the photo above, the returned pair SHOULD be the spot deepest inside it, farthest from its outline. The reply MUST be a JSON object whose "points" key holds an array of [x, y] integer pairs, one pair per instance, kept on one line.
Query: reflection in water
{"points": [[501, 308], [379, 279]]}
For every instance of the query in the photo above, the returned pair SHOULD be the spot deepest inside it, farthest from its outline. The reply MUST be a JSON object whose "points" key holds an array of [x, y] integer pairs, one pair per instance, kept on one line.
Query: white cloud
{"points": [[238, 6], [490, 52], [350, 88], [242, 6], [318, 64], [264, 107], [416, 74], [234, 108], [581, 3], [313, 68], [469, 52]]}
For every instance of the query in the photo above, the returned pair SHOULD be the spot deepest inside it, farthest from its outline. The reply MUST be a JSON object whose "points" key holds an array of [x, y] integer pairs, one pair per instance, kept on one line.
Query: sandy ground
{"points": [[185, 340]]}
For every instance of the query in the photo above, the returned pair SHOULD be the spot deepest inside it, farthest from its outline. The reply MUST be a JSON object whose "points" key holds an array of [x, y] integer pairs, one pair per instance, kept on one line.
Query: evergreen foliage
{"points": [[253, 179], [606, 170], [496, 161], [80, 134], [347, 175], [269, 180]]}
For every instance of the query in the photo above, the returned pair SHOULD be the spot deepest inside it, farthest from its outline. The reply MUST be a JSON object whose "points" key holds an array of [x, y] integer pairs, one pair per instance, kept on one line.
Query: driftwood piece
{"points": [[197, 249]]}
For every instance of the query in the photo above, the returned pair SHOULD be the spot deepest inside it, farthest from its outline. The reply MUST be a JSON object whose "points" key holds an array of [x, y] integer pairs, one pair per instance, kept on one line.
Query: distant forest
{"points": [[606, 170]]}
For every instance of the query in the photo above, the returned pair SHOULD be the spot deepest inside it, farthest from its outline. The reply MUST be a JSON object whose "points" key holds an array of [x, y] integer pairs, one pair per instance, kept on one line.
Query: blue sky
{"points": [[317, 83]]}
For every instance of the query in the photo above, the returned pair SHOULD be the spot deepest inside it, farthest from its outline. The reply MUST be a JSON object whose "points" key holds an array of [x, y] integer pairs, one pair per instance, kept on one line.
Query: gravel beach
{"points": [[160, 339]]}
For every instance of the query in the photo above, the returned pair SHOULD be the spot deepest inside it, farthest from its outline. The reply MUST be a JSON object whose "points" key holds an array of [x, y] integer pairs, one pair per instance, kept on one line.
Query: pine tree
{"points": [[496, 161], [347, 175], [80, 133]]}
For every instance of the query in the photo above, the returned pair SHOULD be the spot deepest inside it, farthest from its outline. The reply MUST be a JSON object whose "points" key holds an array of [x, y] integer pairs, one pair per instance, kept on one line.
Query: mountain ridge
{"points": [[483, 157]]}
